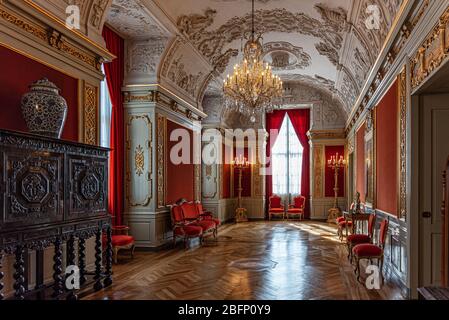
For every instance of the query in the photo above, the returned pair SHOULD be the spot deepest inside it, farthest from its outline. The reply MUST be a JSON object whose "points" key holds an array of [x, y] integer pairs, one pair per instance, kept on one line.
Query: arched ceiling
{"points": [[323, 43]]}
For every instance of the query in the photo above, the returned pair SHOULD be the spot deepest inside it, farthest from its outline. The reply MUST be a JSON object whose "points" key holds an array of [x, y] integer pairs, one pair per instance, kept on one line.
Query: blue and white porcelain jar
{"points": [[44, 109]]}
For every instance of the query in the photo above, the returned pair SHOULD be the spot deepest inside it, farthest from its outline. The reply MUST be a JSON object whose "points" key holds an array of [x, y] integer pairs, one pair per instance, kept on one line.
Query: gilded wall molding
{"points": [[52, 38], [402, 78], [432, 53], [160, 161], [197, 182], [90, 114], [318, 169], [257, 188], [129, 161]]}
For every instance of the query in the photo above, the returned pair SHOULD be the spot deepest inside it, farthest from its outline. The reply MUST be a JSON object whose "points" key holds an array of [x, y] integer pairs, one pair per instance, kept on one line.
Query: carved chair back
{"points": [[275, 202], [299, 202], [383, 233]]}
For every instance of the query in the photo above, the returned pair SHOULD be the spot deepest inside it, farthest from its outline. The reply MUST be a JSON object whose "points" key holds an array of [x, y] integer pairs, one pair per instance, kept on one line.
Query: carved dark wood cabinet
{"points": [[51, 192]]}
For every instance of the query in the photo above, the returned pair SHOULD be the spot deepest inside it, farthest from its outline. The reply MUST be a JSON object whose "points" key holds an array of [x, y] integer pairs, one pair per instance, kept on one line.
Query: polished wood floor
{"points": [[255, 260]]}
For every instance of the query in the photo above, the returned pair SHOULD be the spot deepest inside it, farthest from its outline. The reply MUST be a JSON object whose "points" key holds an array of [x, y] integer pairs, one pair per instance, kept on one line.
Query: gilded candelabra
{"points": [[336, 163], [240, 163]]}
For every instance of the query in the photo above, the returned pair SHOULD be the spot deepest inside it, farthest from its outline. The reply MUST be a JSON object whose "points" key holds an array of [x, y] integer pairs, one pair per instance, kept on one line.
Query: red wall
{"points": [[180, 178], [17, 73], [329, 181], [360, 163], [387, 151]]}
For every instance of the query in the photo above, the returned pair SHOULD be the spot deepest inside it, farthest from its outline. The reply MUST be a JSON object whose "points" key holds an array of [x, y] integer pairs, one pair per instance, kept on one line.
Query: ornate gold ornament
{"points": [[318, 171], [160, 163], [432, 53], [53, 38], [252, 88], [402, 78], [139, 160], [90, 114]]}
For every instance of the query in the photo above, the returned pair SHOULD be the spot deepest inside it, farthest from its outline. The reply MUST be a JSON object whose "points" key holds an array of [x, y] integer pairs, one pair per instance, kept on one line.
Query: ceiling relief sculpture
{"points": [[211, 42], [321, 44], [285, 56], [132, 20]]}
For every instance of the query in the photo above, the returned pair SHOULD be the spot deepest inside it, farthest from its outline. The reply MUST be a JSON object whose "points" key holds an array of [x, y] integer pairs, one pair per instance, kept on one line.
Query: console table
{"points": [[51, 192]]}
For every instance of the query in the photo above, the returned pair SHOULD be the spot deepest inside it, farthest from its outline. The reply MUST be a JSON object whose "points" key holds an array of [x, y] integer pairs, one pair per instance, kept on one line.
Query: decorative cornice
{"points": [[326, 134], [53, 39], [432, 53], [151, 94]]}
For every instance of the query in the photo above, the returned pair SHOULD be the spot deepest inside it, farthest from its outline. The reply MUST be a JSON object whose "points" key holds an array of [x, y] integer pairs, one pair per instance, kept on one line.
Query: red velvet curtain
{"points": [[301, 122], [114, 75], [273, 122]]}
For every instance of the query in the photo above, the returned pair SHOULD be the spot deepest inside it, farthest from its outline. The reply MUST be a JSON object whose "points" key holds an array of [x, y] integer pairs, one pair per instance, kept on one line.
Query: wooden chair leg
{"points": [[132, 251], [358, 269], [115, 255], [381, 270]]}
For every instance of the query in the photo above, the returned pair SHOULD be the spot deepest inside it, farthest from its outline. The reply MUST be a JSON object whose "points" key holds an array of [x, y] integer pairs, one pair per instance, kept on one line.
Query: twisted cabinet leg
{"points": [[98, 285], [82, 260], [19, 274], [71, 262], [1, 276], [57, 269], [108, 279]]}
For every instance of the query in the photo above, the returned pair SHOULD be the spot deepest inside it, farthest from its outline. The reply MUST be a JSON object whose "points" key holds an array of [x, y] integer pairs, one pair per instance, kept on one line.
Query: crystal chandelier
{"points": [[252, 88]]}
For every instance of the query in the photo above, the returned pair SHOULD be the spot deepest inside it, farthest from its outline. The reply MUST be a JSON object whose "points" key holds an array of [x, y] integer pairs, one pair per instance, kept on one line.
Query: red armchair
{"points": [[275, 207], [370, 251], [190, 220], [182, 228], [297, 208], [121, 240]]}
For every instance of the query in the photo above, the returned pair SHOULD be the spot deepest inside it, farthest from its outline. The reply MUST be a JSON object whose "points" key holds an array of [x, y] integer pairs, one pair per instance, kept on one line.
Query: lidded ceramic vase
{"points": [[43, 109]]}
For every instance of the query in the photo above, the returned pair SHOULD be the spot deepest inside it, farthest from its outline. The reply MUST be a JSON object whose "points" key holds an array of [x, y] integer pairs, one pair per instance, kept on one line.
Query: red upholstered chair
{"points": [[121, 240], [370, 251], [182, 228], [275, 207], [343, 225], [192, 216], [355, 239], [297, 208], [207, 215]]}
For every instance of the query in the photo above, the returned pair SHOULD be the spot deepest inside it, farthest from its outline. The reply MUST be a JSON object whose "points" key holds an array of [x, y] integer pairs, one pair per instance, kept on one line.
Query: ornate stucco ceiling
{"points": [[322, 43], [333, 33]]}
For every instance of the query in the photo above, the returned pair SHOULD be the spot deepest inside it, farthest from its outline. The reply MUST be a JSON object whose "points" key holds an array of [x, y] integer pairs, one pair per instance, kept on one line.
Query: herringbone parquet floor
{"points": [[256, 260]]}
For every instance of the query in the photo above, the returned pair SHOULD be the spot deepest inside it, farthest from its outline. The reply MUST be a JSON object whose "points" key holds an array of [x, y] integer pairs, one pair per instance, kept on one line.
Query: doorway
{"points": [[429, 153]]}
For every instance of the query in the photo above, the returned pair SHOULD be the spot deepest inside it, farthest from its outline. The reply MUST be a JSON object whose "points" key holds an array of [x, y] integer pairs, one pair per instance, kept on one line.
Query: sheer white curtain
{"points": [[105, 114], [287, 161]]}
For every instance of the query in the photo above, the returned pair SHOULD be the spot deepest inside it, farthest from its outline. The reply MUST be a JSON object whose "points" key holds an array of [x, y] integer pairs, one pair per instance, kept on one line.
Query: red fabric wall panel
{"points": [[387, 151], [180, 177], [360, 163], [226, 182], [246, 177], [17, 73], [329, 181]]}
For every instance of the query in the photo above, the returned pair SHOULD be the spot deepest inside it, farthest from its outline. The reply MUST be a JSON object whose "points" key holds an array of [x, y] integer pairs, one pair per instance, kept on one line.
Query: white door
{"points": [[434, 152]]}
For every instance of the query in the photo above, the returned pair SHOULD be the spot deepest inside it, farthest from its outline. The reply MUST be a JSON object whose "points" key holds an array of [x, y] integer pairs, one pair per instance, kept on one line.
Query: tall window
{"points": [[105, 114], [287, 161]]}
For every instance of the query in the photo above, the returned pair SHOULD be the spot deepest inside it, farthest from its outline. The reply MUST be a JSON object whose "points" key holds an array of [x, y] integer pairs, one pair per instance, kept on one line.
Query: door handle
{"points": [[427, 214]]}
